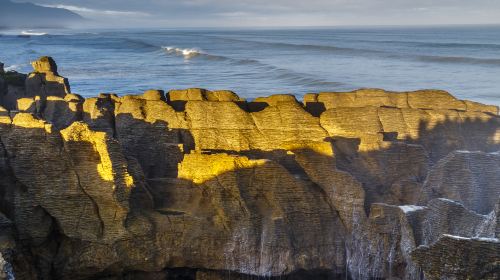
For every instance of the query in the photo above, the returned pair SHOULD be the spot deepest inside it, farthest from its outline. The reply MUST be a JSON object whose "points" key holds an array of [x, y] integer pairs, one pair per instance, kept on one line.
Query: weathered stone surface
{"points": [[154, 95], [247, 205], [3, 85], [44, 64], [98, 113], [381, 246], [27, 105], [220, 126], [198, 94], [421, 99], [224, 95], [478, 107], [357, 99], [6, 234], [62, 112], [453, 257], [470, 178], [12, 87], [274, 100], [153, 133], [444, 216], [202, 185], [38, 142], [45, 80], [344, 192], [5, 268], [434, 99], [225, 126], [106, 180], [192, 94]]}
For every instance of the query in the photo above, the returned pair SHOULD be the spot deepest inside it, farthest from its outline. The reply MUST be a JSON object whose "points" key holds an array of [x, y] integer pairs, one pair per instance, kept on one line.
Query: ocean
{"points": [[464, 60]]}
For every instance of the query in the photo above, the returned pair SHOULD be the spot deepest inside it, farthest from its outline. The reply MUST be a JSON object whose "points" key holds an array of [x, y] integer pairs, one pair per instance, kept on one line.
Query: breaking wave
{"points": [[13, 67], [263, 68], [187, 53], [32, 33]]}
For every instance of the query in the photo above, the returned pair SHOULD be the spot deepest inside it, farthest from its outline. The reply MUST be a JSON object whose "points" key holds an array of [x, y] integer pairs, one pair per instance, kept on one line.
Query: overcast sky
{"points": [[232, 13]]}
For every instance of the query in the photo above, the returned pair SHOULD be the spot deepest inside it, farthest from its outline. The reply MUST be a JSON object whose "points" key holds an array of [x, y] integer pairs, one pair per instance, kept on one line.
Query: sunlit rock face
{"points": [[198, 184], [45, 80]]}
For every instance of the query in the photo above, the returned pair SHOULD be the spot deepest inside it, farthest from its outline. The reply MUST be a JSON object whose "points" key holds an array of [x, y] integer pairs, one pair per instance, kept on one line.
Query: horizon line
{"points": [[270, 26]]}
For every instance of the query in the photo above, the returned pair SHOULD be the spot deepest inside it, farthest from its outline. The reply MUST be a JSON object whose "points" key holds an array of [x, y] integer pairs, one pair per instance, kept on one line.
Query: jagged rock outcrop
{"points": [[45, 80], [3, 84], [422, 99], [12, 87], [469, 178], [7, 244], [198, 184], [455, 257]]}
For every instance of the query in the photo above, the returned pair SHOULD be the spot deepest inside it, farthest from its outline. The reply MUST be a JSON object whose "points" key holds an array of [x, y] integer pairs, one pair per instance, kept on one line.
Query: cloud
{"points": [[234, 14], [421, 9], [95, 12], [224, 13]]}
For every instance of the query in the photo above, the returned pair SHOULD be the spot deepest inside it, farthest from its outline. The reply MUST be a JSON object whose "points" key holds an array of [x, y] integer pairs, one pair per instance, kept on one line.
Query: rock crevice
{"points": [[198, 184]]}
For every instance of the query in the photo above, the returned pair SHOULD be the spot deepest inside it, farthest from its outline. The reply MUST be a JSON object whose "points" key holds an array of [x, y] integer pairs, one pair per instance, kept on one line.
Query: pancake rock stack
{"points": [[198, 184]]}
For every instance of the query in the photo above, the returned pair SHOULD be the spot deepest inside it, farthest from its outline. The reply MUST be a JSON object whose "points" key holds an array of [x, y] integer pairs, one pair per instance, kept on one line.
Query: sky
{"points": [[255, 13]]}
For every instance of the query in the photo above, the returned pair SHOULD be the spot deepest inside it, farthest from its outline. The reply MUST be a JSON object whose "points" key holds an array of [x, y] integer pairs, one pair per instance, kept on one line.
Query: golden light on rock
{"points": [[200, 168], [27, 120], [358, 184], [80, 132]]}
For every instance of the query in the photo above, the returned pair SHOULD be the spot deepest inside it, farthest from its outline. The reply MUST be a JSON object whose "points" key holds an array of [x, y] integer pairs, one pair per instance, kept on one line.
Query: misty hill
{"points": [[28, 15]]}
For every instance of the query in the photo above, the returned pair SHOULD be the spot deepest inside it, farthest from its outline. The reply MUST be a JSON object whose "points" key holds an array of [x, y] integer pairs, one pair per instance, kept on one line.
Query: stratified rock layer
{"points": [[454, 257], [199, 184]]}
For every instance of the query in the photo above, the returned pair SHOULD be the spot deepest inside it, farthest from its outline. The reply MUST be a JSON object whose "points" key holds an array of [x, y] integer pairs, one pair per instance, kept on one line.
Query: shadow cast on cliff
{"points": [[393, 174]]}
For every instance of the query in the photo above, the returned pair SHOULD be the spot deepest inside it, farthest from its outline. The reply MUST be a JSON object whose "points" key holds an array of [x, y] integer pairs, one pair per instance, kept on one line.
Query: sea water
{"points": [[464, 60]]}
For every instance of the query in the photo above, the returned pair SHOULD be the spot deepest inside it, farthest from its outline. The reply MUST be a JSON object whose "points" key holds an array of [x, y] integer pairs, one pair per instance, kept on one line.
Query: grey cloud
{"points": [[290, 12], [84, 11]]}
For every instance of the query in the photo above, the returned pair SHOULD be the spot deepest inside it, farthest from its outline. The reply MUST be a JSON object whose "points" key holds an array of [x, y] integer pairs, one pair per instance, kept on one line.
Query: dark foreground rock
{"points": [[198, 184], [455, 257]]}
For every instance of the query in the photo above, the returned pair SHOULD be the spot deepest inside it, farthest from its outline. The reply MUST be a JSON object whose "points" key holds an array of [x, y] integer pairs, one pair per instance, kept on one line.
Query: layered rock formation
{"points": [[199, 184]]}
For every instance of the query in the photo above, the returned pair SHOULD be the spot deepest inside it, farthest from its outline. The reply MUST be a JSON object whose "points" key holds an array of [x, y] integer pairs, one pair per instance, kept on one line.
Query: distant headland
{"points": [[28, 15]]}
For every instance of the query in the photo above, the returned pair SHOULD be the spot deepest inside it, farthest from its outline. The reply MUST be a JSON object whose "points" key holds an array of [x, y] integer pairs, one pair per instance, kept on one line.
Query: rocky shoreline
{"points": [[198, 184]]}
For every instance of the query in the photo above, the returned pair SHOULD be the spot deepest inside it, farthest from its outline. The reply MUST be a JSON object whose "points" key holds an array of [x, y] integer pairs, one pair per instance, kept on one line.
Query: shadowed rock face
{"points": [[457, 257], [199, 184]]}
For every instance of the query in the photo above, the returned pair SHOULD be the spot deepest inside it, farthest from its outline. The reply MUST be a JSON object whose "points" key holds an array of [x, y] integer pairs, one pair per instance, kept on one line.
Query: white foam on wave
{"points": [[13, 67], [187, 53], [33, 33]]}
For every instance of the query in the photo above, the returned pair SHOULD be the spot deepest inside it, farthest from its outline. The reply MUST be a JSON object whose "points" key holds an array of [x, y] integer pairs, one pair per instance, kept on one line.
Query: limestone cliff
{"points": [[198, 184]]}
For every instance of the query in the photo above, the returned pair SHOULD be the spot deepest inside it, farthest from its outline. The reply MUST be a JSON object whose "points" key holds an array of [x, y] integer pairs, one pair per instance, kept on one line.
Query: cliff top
{"points": [[45, 81]]}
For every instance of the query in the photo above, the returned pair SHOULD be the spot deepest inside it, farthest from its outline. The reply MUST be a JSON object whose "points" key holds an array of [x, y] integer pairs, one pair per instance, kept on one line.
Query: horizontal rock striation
{"points": [[198, 184]]}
